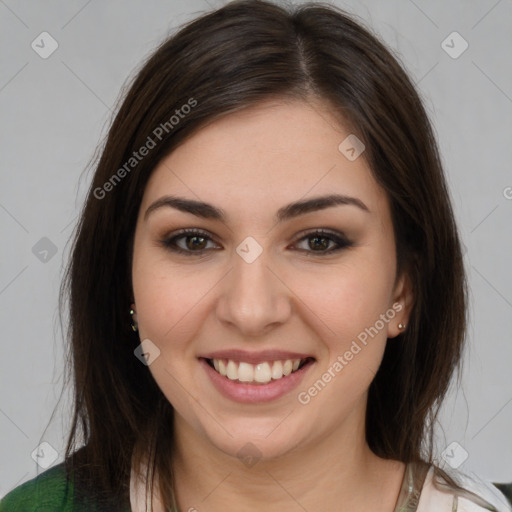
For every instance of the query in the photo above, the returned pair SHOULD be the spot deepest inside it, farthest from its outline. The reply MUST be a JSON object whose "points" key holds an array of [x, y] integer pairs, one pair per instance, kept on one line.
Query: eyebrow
{"points": [[292, 210]]}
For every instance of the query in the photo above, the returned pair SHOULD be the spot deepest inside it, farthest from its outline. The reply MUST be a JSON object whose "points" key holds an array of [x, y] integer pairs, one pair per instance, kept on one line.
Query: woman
{"points": [[271, 212]]}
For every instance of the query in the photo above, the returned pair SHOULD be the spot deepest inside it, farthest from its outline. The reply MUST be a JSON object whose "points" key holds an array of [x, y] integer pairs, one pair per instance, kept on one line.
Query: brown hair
{"points": [[224, 61]]}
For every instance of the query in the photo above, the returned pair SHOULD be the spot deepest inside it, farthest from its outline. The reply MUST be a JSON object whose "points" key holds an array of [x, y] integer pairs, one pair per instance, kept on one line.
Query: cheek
{"points": [[169, 313], [347, 303], [167, 302], [347, 298], [170, 298], [353, 338]]}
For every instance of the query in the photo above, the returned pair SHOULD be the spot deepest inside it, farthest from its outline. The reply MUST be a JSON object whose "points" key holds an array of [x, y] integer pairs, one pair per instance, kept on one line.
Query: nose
{"points": [[254, 298]]}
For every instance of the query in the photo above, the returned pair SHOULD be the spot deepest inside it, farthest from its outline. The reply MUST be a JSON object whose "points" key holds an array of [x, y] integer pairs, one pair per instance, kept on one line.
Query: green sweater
{"points": [[51, 491]]}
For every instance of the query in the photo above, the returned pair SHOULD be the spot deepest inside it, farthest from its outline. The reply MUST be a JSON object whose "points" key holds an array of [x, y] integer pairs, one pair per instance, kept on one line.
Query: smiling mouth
{"points": [[261, 373]]}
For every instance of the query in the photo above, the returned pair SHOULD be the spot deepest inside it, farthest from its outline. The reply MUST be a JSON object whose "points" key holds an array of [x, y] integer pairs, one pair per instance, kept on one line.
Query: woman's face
{"points": [[258, 289]]}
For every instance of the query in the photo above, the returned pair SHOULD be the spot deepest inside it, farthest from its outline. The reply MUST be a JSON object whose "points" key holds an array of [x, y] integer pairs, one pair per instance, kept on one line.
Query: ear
{"points": [[403, 301]]}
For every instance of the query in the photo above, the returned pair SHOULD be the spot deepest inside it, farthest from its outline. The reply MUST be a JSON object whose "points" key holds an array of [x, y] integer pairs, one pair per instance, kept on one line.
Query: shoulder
{"points": [[49, 490], [459, 492]]}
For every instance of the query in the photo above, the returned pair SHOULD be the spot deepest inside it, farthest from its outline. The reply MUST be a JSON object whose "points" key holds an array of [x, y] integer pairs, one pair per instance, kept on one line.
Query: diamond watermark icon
{"points": [[352, 147], [45, 455], [147, 352], [454, 45], [44, 45], [44, 250], [249, 454], [249, 249], [454, 454]]}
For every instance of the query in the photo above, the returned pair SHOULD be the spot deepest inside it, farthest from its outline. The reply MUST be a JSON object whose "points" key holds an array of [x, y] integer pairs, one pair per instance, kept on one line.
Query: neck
{"points": [[338, 472]]}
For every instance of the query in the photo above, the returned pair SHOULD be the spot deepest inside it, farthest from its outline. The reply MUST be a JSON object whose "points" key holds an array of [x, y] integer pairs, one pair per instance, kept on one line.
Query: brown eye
{"points": [[320, 242], [195, 242], [189, 242]]}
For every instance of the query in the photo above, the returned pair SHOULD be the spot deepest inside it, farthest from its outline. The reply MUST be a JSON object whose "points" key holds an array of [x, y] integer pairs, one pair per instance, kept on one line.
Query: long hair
{"points": [[226, 60]]}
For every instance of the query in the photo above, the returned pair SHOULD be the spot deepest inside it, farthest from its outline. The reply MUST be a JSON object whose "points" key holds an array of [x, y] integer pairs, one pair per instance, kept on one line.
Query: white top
{"points": [[434, 496]]}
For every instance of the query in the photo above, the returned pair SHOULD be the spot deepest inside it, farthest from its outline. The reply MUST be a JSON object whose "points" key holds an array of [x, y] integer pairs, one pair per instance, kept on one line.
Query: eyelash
{"points": [[339, 239]]}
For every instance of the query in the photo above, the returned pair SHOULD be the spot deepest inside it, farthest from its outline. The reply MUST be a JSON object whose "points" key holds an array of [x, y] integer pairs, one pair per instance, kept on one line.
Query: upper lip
{"points": [[255, 357]]}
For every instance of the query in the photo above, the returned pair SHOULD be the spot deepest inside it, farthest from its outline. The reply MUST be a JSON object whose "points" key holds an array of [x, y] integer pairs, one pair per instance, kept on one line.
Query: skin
{"points": [[250, 164]]}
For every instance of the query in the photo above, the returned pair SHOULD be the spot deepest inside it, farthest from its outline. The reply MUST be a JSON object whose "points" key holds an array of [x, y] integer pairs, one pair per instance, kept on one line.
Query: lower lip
{"points": [[255, 393]]}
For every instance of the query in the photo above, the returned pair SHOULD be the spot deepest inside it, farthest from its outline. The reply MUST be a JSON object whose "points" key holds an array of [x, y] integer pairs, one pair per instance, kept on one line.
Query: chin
{"points": [[254, 440]]}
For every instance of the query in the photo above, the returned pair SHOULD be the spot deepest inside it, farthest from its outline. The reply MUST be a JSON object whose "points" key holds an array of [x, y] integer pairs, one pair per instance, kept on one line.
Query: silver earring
{"points": [[134, 326], [401, 326]]}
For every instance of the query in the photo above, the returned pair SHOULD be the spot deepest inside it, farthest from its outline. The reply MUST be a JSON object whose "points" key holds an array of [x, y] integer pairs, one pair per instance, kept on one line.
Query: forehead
{"points": [[264, 156]]}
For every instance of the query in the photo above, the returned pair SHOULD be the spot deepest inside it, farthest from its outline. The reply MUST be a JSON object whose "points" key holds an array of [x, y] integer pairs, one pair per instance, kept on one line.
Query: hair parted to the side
{"points": [[226, 60]]}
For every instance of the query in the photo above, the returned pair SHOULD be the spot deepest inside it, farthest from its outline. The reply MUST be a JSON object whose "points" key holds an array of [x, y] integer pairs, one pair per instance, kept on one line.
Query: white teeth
{"points": [[245, 372], [277, 370], [232, 370], [262, 372]]}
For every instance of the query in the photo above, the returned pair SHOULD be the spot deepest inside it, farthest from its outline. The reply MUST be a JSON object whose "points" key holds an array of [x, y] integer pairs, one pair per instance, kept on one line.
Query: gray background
{"points": [[55, 111]]}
